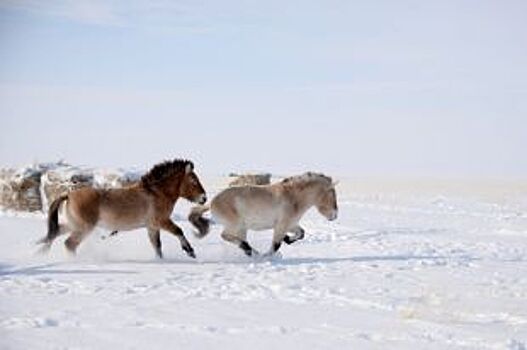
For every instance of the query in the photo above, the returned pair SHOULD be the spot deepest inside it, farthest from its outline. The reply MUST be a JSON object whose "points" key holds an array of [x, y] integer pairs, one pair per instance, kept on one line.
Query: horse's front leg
{"points": [[155, 239], [299, 234], [169, 226], [239, 237], [278, 237]]}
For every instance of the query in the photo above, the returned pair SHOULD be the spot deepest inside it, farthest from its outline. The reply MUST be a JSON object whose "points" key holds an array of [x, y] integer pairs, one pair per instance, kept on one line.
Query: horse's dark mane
{"points": [[164, 170]]}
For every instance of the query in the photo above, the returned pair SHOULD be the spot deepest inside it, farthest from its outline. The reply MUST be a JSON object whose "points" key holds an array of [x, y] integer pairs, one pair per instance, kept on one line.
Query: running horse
{"points": [[148, 203], [278, 206]]}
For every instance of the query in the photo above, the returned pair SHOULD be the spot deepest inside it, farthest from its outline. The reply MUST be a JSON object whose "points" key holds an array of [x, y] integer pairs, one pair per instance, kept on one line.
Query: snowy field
{"points": [[406, 266]]}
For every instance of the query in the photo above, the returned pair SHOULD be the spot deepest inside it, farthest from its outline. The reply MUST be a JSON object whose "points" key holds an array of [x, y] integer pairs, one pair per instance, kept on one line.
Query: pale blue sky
{"points": [[350, 88]]}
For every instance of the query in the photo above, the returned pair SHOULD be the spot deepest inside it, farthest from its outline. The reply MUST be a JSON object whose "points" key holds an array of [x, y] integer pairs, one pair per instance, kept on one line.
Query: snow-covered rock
{"points": [[20, 188], [251, 179], [32, 188], [61, 180]]}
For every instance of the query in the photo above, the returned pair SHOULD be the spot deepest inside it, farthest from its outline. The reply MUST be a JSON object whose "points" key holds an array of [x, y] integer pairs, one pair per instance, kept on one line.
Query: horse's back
{"points": [[245, 195], [252, 206], [124, 198], [120, 209]]}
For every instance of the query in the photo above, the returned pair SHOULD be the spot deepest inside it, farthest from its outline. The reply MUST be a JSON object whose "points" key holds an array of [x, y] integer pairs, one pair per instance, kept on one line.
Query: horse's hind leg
{"points": [[73, 241], [278, 237], [299, 234], [239, 238], [48, 240], [155, 239]]}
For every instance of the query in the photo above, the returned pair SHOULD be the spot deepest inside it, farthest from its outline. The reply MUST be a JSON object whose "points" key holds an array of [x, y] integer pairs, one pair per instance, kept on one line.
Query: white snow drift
{"points": [[432, 267]]}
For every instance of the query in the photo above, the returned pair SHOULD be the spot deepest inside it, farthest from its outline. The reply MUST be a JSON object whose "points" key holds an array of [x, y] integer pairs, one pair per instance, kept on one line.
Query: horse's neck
{"points": [[171, 195], [168, 190], [305, 196]]}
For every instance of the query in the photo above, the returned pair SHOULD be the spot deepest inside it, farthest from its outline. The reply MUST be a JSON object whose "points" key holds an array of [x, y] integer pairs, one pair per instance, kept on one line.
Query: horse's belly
{"points": [[119, 226], [261, 220], [259, 226], [115, 222]]}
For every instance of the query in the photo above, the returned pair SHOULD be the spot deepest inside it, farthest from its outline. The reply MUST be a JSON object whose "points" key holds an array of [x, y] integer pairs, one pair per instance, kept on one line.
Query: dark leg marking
{"points": [[276, 246], [298, 235], [247, 249]]}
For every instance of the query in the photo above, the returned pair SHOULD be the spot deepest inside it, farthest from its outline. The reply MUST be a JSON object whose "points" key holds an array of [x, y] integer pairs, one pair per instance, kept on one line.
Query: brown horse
{"points": [[149, 203], [278, 206]]}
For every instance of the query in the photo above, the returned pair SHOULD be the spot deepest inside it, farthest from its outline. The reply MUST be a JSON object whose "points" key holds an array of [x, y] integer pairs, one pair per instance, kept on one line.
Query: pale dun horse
{"points": [[278, 206], [148, 203]]}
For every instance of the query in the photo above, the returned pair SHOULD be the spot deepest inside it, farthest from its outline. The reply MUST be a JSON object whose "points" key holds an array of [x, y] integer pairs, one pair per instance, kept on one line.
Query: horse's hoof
{"points": [[253, 254], [270, 256], [288, 240], [191, 254]]}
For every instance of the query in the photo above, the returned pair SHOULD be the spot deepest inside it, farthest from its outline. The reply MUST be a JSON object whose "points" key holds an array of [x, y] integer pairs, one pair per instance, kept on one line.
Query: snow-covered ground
{"points": [[406, 266]]}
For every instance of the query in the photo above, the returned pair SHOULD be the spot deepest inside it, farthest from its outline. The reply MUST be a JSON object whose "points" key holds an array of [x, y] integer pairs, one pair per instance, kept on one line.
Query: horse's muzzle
{"points": [[201, 199], [333, 215]]}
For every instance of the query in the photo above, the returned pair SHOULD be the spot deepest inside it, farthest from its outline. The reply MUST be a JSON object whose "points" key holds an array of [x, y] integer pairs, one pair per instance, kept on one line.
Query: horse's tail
{"points": [[199, 222], [53, 221]]}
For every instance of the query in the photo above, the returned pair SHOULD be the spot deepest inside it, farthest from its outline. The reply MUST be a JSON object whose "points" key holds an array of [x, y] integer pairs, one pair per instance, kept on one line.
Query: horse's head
{"points": [[191, 188], [327, 202]]}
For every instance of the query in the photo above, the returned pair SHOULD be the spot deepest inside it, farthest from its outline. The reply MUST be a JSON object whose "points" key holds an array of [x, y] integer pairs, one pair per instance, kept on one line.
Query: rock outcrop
{"points": [[251, 179], [32, 188]]}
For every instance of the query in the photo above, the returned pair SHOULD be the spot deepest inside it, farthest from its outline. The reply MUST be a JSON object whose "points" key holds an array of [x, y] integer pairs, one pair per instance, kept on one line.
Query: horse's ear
{"points": [[189, 168]]}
